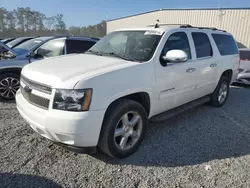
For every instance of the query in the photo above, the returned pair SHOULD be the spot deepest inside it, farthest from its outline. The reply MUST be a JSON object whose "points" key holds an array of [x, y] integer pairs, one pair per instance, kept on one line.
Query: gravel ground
{"points": [[204, 147]]}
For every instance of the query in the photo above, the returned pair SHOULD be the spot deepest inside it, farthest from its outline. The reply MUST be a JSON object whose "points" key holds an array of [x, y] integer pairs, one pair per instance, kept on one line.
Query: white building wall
{"points": [[235, 21]]}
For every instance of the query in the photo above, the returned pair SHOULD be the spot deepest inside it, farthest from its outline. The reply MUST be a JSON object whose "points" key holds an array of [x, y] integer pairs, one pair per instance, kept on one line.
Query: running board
{"points": [[168, 114]]}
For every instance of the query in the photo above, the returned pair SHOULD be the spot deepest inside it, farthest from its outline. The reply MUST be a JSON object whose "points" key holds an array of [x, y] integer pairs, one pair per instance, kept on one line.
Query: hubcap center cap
{"points": [[128, 130]]}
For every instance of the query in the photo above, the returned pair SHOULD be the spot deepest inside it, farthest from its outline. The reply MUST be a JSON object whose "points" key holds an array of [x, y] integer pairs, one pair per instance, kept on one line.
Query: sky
{"points": [[89, 12]]}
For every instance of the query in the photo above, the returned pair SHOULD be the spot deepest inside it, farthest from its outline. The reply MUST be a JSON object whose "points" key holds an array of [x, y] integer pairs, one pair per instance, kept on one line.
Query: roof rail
{"points": [[212, 28], [162, 25], [186, 26], [93, 38]]}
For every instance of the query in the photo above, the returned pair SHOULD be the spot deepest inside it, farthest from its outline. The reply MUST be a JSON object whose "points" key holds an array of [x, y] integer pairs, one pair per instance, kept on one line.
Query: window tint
{"points": [[177, 41], [78, 46], [244, 55], [225, 44], [202, 45], [51, 48]]}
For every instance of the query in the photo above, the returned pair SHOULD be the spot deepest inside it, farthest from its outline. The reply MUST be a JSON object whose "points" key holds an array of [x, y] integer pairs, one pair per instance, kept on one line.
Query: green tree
{"points": [[60, 24]]}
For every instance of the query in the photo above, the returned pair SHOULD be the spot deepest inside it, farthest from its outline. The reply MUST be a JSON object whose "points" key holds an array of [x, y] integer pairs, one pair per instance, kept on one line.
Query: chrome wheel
{"points": [[9, 87], [223, 93], [128, 130]]}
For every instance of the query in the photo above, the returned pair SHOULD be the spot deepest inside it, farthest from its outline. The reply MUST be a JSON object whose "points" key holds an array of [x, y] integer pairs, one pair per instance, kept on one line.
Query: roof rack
{"points": [[212, 28], [157, 25], [93, 38], [162, 25]]}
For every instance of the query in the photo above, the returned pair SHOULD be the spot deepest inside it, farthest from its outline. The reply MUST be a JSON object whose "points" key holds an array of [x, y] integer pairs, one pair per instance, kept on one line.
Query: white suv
{"points": [[105, 97]]}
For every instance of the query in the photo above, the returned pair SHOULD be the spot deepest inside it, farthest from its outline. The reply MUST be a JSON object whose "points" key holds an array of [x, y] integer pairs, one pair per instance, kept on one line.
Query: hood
{"points": [[65, 71], [4, 47]]}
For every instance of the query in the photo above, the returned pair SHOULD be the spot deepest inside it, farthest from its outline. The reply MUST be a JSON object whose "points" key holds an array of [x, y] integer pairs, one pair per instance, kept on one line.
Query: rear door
{"points": [[206, 63]]}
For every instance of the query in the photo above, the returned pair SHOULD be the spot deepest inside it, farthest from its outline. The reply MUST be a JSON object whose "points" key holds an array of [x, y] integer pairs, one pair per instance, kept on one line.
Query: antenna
{"points": [[157, 25]]}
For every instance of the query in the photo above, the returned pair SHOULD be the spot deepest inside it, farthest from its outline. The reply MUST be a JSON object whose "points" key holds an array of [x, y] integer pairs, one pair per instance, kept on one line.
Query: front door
{"points": [[176, 82]]}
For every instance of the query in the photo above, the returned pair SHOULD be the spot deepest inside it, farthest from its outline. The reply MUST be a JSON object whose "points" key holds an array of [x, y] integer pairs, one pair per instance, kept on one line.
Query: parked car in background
{"points": [[244, 69], [18, 41], [12, 60], [104, 98], [5, 41]]}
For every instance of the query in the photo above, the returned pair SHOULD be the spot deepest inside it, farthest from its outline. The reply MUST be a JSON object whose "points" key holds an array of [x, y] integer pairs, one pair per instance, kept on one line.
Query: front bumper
{"points": [[73, 129]]}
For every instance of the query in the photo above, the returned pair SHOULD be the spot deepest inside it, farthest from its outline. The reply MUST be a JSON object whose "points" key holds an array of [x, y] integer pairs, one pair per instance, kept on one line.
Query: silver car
{"points": [[244, 69], [12, 60]]}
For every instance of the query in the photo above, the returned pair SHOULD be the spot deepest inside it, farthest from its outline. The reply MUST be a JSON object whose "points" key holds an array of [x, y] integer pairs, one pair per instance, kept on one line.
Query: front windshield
{"points": [[132, 45], [26, 46]]}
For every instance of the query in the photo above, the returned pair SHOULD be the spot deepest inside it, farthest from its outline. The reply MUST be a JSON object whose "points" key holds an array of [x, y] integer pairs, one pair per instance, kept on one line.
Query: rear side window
{"points": [[78, 46], [244, 55], [225, 44], [202, 45]]}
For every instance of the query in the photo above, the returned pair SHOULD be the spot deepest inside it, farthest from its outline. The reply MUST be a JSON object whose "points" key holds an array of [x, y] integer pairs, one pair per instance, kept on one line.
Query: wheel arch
{"points": [[228, 73], [15, 70], [141, 97]]}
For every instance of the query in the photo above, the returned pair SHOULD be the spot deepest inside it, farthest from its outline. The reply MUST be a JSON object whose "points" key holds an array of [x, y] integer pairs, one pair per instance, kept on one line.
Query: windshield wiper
{"points": [[94, 52], [119, 56]]}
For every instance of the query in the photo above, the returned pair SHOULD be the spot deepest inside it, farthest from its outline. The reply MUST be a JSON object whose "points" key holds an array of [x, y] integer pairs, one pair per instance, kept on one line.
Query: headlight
{"points": [[72, 99]]}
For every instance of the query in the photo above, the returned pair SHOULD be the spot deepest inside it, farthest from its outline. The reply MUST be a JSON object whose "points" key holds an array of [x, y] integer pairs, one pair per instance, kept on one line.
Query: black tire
{"points": [[215, 95], [114, 114], [8, 76]]}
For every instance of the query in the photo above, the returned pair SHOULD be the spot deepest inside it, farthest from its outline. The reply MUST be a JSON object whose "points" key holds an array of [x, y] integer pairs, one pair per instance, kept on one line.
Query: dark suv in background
{"points": [[12, 60]]}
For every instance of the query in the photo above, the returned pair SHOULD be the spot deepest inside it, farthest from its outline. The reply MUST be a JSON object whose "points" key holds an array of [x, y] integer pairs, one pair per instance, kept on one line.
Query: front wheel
{"points": [[220, 94], [123, 128], [9, 84]]}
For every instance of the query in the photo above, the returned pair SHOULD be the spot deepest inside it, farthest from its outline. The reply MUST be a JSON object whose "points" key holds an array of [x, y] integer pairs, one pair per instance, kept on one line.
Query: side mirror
{"points": [[175, 56]]}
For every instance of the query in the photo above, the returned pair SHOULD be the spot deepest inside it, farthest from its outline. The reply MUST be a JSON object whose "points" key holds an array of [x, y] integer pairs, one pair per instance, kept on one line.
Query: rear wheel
{"points": [[220, 94], [9, 84], [123, 128]]}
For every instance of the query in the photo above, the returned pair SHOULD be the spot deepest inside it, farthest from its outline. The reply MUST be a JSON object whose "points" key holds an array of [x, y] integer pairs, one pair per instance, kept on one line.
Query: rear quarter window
{"points": [[226, 44]]}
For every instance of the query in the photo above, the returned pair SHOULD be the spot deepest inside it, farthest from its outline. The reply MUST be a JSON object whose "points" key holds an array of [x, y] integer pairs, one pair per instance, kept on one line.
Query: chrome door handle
{"points": [[213, 65], [190, 70]]}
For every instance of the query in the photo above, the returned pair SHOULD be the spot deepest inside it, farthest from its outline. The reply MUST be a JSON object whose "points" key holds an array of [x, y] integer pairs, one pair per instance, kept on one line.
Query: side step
{"points": [[168, 114]]}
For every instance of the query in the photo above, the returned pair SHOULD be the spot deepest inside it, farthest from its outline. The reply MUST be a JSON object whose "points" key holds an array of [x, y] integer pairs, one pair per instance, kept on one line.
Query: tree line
{"points": [[26, 22]]}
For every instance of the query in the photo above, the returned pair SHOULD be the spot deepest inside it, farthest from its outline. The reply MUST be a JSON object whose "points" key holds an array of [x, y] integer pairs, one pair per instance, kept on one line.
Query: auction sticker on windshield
{"points": [[153, 32]]}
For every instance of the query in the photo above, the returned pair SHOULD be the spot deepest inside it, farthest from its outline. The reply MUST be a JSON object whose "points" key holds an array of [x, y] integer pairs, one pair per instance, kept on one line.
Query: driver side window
{"points": [[51, 48], [177, 41]]}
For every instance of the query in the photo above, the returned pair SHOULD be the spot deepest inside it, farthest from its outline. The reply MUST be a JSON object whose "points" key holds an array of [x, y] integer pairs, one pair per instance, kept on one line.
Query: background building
{"points": [[233, 20]]}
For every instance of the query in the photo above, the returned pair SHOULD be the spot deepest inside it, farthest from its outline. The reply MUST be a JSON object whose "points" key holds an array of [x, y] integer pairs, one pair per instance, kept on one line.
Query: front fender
{"points": [[111, 86]]}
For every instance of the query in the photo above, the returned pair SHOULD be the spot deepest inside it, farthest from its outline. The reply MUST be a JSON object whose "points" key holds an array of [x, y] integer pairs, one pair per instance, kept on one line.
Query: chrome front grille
{"points": [[35, 100], [37, 86]]}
